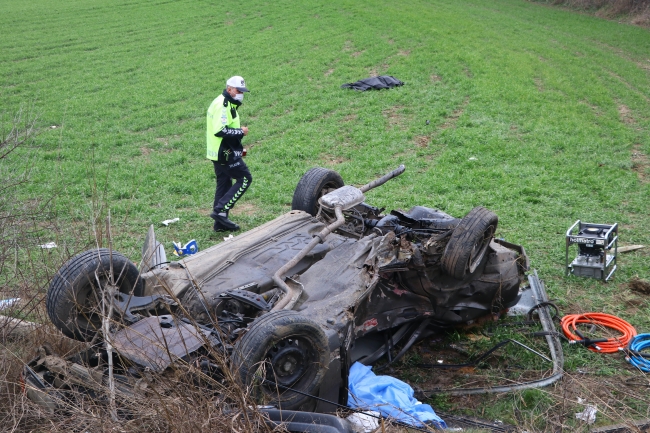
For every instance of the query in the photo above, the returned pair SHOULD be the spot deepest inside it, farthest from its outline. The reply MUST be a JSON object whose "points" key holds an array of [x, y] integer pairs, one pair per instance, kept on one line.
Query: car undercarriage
{"points": [[289, 305]]}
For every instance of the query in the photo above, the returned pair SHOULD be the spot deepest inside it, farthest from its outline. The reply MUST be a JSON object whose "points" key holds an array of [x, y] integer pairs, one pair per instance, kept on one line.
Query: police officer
{"points": [[224, 136]]}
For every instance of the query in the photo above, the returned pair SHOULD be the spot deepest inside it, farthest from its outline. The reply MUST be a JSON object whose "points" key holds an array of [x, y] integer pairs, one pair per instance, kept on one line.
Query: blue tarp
{"points": [[389, 396]]}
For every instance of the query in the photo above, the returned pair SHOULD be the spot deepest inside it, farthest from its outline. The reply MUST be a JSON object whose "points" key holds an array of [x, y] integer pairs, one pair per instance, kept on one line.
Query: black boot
{"points": [[222, 221]]}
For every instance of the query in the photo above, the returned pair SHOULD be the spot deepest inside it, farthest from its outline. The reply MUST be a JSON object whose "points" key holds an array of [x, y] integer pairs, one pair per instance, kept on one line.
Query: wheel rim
{"points": [[88, 306], [289, 361], [479, 249]]}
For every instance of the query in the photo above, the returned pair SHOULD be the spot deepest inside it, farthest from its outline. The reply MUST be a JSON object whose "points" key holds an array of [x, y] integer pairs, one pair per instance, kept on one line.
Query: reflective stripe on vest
{"points": [[218, 117]]}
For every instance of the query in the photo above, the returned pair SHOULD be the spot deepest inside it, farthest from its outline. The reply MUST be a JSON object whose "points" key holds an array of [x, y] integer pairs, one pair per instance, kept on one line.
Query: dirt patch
{"points": [[331, 160], [404, 53], [350, 117], [145, 151], [625, 114], [630, 299], [358, 53], [644, 65], [639, 286], [329, 72], [640, 163], [468, 73], [246, 208], [629, 86], [539, 84], [421, 141], [450, 121], [436, 78], [395, 117], [167, 140]]}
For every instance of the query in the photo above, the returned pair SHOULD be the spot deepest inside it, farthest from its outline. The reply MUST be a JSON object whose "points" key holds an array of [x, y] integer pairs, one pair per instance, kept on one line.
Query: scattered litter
{"points": [[48, 245], [189, 248], [473, 158], [628, 248], [427, 122], [168, 222], [364, 422], [588, 415], [378, 83], [228, 238], [391, 397], [6, 303], [440, 361], [53, 126]]}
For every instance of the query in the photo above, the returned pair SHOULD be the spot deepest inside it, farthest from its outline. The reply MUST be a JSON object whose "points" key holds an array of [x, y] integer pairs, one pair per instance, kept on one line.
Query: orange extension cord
{"points": [[612, 345]]}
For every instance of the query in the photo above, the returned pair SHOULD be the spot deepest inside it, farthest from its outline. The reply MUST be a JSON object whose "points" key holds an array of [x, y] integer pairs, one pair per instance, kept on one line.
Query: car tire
{"points": [[313, 185], [469, 242], [291, 351], [73, 296]]}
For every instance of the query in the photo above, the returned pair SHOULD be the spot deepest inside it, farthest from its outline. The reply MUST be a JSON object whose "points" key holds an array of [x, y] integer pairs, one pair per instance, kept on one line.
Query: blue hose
{"points": [[635, 357]]}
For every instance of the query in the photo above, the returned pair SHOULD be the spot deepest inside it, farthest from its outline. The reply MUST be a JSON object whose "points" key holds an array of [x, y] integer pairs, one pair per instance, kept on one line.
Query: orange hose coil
{"points": [[612, 345]]}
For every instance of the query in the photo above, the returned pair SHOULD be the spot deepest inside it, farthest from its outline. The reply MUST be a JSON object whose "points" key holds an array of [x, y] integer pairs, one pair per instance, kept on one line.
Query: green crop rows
{"points": [[540, 115]]}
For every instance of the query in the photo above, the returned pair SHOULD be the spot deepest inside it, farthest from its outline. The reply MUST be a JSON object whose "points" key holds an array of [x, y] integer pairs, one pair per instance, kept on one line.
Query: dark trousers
{"points": [[228, 193]]}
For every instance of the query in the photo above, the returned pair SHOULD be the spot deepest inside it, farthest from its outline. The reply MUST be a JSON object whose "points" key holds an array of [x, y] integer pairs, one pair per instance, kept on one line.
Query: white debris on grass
{"points": [[364, 422], [588, 415], [228, 238], [168, 222], [48, 245], [6, 303], [473, 158]]}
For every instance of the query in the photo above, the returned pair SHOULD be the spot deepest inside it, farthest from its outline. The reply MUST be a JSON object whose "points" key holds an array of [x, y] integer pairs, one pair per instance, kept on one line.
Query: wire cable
{"points": [[598, 345], [634, 355]]}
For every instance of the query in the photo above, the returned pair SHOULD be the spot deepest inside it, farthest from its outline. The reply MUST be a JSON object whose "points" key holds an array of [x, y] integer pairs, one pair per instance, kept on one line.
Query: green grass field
{"points": [[540, 115]]}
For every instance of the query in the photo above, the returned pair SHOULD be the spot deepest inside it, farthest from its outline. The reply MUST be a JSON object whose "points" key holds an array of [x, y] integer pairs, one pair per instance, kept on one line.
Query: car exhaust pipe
{"points": [[339, 200], [382, 180], [291, 296]]}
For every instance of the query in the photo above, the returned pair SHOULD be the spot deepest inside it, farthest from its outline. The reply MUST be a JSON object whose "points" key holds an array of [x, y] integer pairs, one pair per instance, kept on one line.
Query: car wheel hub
{"points": [[289, 361]]}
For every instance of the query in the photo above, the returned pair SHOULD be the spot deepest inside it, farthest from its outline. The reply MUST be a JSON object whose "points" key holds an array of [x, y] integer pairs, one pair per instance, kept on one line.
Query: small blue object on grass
{"points": [[389, 396], [189, 248]]}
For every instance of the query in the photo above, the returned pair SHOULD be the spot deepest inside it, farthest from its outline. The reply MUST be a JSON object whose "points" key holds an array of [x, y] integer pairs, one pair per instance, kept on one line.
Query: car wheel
{"points": [[283, 351], [468, 242], [74, 297], [313, 185]]}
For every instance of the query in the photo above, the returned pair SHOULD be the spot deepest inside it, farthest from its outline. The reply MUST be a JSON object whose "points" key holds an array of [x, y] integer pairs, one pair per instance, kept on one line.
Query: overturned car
{"points": [[292, 303]]}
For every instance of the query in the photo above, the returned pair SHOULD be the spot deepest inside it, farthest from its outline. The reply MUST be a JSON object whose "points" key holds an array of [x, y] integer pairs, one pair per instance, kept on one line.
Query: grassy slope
{"points": [[551, 104]]}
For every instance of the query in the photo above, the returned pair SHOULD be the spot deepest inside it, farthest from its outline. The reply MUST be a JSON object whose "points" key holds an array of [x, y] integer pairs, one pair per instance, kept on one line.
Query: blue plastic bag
{"points": [[389, 396]]}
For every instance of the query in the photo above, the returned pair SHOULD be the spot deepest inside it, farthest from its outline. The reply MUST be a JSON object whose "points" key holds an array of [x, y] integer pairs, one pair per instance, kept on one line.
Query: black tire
{"points": [[313, 185], [73, 297], [469, 242], [294, 352]]}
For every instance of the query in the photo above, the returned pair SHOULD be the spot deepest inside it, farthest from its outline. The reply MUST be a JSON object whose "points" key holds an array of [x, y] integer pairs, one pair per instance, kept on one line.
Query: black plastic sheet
{"points": [[377, 83]]}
